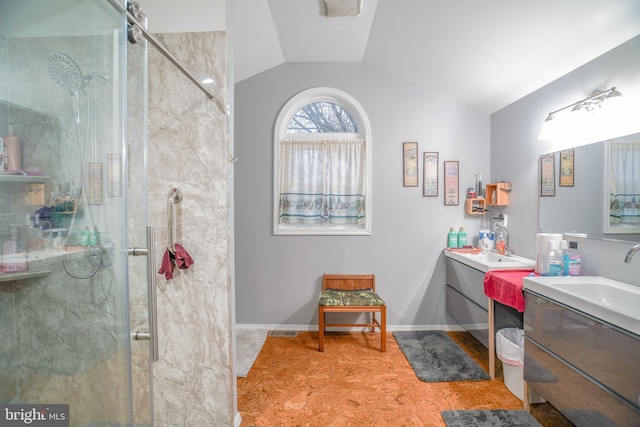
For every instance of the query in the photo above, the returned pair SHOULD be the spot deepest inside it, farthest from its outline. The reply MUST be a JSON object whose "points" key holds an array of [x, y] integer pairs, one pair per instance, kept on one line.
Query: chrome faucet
{"points": [[631, 252]]}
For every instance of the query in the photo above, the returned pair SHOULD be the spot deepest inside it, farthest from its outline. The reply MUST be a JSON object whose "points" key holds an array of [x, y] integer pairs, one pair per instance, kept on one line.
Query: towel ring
{"points": [[174, 197]]}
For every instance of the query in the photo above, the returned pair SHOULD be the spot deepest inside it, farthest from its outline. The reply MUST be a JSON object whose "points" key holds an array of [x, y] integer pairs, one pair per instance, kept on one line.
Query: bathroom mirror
{"points": [[587, 207]]}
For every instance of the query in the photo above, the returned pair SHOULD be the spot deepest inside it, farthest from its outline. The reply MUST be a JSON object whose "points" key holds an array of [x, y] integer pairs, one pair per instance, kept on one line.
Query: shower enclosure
{"points": [[73, 298]]}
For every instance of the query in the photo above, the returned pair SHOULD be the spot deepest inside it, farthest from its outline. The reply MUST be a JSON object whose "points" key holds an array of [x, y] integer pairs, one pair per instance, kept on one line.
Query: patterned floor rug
{"points": [[435, 357], [489, 418]]}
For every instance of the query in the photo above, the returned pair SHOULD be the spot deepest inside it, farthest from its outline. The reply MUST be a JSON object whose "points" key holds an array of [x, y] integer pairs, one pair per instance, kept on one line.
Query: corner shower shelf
{"points": [[10, 277], [23, 179]]}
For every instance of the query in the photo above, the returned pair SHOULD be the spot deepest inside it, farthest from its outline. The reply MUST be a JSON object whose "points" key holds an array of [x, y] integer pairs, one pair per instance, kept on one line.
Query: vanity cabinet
{"points": [[467, 304], [585, 367]]}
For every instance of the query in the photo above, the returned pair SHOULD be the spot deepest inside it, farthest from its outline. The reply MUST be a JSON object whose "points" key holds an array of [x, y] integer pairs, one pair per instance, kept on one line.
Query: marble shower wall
{"points": [[188, 148]]}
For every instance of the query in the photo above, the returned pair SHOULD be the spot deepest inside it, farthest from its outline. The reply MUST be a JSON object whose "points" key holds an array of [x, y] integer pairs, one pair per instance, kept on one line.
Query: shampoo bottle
{"points": [[13, 160], [462, 238], [452, 240]]}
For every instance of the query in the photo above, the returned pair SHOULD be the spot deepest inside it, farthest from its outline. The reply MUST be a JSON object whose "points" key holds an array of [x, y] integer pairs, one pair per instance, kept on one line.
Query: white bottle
{"points": [[490, 241], [552, 261], [13, 254]]}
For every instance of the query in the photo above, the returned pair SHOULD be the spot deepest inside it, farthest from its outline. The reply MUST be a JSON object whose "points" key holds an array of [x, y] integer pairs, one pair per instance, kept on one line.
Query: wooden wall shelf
{"points": [[477, 206], [498, 193]]}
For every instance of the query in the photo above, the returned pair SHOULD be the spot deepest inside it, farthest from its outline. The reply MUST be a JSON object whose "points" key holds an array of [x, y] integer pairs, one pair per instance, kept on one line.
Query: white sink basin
{"points": [[492, 261], [616, 303]]}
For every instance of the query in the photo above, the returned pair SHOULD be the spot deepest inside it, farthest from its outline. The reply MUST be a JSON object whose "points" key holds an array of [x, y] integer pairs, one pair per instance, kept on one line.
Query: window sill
{"points": [[280, 230]]}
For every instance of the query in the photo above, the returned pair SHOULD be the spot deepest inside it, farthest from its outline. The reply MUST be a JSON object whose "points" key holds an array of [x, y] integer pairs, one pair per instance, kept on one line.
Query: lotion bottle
{"points": [[452, 240], [462, 238]]}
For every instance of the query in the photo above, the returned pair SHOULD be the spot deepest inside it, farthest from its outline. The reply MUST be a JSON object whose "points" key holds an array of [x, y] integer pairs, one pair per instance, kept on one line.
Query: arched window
{"points": [[322, 165]]}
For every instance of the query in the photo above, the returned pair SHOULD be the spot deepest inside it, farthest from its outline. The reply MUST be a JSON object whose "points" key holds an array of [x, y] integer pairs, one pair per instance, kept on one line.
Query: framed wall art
{"points": [[430, 174], [566, 168], [410, 164], [451, 184], [547, 175]]}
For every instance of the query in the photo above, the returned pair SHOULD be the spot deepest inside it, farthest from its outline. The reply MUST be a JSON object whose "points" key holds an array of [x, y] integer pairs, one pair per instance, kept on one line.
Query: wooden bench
{"points": [[351, 293]]}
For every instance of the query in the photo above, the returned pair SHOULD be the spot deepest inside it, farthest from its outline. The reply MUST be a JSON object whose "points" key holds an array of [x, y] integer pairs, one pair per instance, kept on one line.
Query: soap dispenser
{"points": [[501, 244]]}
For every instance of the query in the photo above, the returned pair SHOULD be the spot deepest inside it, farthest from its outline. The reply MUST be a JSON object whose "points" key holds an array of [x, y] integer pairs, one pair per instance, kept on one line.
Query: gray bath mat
{"points": [[249, 342], [435, 357], [488, 418]]}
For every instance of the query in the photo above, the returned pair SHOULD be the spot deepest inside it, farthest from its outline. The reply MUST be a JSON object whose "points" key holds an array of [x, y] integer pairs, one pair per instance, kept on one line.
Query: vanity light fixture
{"points": [[590, 104]]}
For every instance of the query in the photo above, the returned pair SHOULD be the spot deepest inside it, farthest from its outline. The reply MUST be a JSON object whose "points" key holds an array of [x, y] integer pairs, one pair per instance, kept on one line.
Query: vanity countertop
{"points": [[491, 261]]}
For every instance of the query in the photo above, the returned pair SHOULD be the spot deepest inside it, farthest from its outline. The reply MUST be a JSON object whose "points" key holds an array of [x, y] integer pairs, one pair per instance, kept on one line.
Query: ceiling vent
{"points": [[340, 8]]}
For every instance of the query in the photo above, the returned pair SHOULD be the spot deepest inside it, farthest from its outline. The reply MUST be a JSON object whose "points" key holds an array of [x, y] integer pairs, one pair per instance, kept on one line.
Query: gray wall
{"points": [[515, 149], [278, 277]]}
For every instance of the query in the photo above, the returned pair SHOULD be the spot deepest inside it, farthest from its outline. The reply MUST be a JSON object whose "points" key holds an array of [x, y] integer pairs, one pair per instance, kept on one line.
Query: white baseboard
{"points": [[314, 328]]}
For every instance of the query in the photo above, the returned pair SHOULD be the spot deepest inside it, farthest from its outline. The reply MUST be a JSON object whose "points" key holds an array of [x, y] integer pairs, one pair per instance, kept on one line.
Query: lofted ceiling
{"points": [[485, 53]]}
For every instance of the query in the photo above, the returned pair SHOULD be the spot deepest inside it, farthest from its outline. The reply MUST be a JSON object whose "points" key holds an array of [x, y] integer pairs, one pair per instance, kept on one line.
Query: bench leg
{"points": [[383, 328], [320, 329]]}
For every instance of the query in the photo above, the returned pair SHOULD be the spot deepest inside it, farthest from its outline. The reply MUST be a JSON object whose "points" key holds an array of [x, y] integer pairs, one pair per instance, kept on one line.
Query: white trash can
{"points": [[510, 350]]}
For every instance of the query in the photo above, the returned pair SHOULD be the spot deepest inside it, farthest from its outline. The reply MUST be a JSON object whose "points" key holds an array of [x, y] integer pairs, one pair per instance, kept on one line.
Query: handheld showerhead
{"points": [[65, 72]]}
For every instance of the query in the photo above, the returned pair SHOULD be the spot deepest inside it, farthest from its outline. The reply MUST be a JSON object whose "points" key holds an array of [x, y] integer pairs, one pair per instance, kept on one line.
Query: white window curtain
{"points": [[625, 181], [322, 181]]}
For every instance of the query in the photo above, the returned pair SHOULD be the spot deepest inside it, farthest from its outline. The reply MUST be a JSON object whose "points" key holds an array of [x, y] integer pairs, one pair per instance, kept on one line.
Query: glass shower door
{"points": [[139, 233], [65, 335]]}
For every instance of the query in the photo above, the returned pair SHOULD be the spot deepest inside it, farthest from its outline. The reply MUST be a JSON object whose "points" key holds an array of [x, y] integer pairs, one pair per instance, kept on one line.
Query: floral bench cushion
{"points": [[338, 297]]}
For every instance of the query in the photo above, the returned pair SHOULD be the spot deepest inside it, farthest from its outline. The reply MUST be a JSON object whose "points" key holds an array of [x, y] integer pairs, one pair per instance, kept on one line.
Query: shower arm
{"points": [[163, 50]]}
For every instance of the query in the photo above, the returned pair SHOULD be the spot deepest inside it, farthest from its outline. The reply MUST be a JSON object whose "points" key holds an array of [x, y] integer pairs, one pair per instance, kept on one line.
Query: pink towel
{"points": [[505, 286], [167, 265], [183, 259]]}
